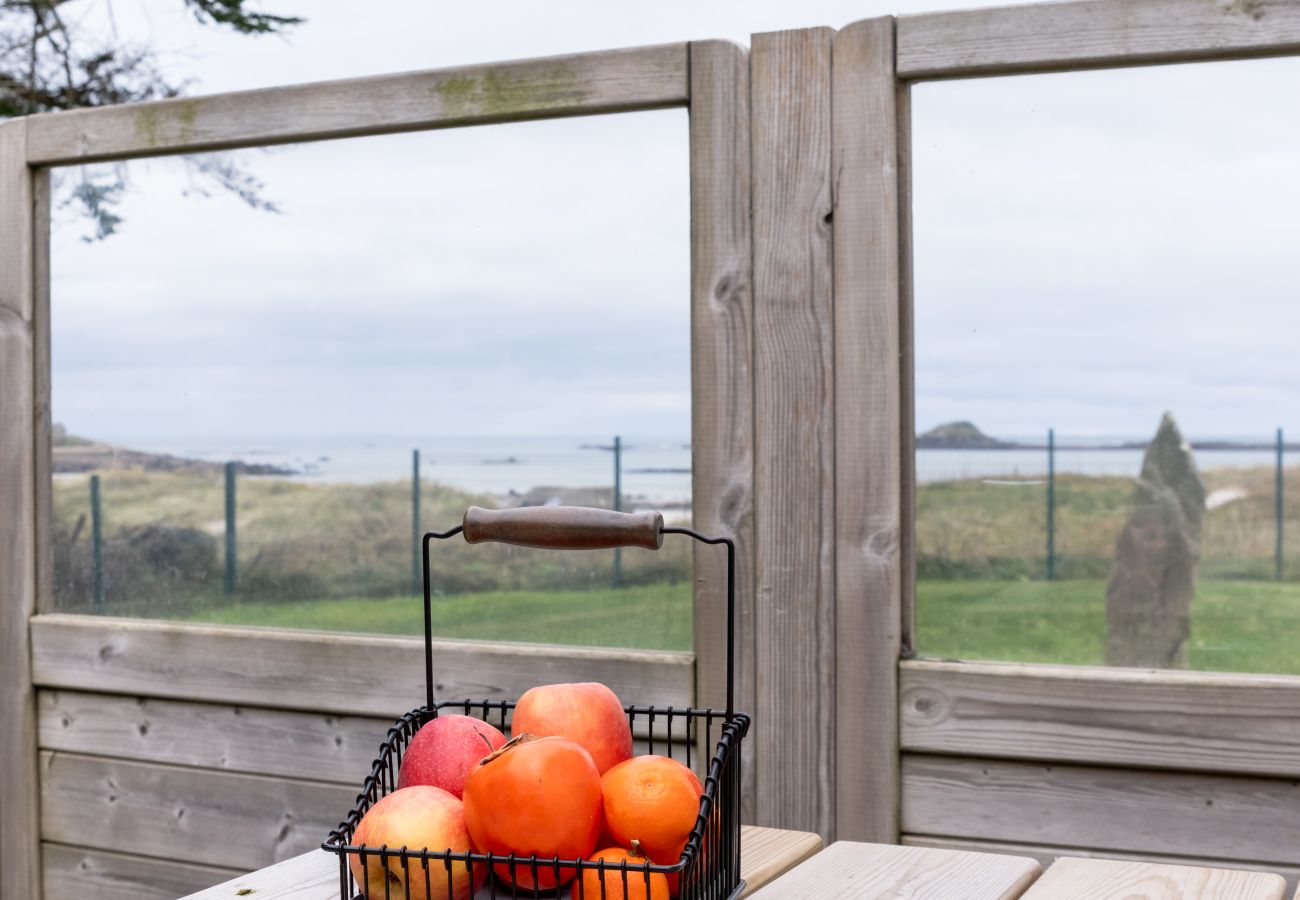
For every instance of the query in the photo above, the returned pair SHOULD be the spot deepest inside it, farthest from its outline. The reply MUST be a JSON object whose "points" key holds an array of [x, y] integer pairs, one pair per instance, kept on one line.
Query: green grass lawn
{"points": [[652, 617], [1237, 626]]}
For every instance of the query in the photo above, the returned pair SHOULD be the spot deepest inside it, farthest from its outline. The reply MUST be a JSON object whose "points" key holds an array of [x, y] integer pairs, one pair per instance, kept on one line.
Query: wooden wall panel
{"points": [[76, 874], [582, 84], [794, 435], [329, 673], [868, 577], [200, 816], [19, 844], [722, 401], [1251, 819], [299, 745], [1170, 720], [1041, 37]]}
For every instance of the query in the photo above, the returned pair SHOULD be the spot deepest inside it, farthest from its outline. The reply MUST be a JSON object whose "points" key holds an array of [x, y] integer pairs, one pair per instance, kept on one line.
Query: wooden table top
{"points": [[852, 871], [764, 854], [786, 865]]}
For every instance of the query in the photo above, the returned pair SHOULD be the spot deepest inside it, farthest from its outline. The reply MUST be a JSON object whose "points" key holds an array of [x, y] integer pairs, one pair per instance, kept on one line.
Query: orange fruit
{"points": [[654, 800], [534, 796], [589, 887]]}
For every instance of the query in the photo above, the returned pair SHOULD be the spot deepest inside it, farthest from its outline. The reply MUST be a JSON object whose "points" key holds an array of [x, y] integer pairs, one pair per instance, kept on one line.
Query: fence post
{"points": [[618, 504], [1278, 512], [1051, 504], [230, 529], [96, 545], [416, 579]]}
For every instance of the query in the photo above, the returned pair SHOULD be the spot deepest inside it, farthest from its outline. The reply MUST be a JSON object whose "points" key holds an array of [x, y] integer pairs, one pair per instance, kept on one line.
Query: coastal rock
{"points": [[1149, 598], [958, 436]]}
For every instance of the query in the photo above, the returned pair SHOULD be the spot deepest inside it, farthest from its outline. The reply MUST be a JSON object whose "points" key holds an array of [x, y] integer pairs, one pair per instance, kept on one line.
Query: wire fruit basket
{"points": [[705, 740]]}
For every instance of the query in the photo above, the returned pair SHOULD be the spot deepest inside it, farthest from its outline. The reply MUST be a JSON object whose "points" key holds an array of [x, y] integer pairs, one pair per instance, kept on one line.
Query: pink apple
{"points": [[587, 713], [445, 749], [417, 818]]}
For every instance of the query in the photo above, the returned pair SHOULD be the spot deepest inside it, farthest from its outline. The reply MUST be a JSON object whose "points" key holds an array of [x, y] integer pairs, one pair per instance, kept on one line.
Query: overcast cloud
{"points": [[1091, 249]]}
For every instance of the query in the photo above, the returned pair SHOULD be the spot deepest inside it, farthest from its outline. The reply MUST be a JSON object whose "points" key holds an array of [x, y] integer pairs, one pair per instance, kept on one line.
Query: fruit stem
{"points": [[508, 746], [636, 851]]}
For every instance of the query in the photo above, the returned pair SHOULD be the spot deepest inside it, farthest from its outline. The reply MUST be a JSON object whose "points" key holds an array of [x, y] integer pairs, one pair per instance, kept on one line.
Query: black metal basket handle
{"points": [[573, 528]]}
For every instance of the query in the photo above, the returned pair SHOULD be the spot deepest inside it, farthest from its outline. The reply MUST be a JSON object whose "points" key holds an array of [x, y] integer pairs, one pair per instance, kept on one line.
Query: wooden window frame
{"points": [[1129, 721], [40, 648]]}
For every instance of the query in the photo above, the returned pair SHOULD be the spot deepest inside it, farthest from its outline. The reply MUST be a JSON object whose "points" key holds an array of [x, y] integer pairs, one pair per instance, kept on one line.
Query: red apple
{"points": [[417, 818], [587, 713], [444, 750]]}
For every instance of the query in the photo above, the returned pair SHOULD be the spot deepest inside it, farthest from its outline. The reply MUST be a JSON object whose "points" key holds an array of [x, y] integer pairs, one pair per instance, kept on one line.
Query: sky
{"points": [[1091, 249]]}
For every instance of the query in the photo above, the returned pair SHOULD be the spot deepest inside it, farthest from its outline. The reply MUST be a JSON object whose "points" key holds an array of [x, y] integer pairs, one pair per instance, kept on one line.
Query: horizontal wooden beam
{"points": [[196, 815], [285, 743], [323, 672], [319, 746], [75, 873], [1124, 717], [1047, 855], [1130, 810], [1044, 37], [582, 84]]}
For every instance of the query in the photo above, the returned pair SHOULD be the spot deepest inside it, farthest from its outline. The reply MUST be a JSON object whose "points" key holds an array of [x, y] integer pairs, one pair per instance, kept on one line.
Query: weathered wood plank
{"points": [[1048, 855], [854, 871], [328, 673], [318, 746], [868, 575], [19, 842], [765, 853], [581, 84], [722, 401], [1174, 720], [1040, 37], [1109, 879], [311, 876], [42, 420], [794, 436], [73, 873], [907, 371], [1122, 809], [196, 815]]}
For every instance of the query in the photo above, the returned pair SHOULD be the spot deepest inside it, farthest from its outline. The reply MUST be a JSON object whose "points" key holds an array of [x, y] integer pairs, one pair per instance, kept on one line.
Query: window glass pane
{"points": [[505, 301], [1092, 252]]}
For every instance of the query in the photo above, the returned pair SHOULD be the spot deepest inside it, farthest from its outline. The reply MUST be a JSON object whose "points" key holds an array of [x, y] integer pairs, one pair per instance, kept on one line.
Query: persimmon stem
{"points": [[508, 746]]}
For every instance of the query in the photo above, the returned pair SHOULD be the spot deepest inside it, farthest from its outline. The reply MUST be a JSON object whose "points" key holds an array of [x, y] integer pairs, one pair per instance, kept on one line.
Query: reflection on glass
{"points": [[1105, 379], [260, 413]]}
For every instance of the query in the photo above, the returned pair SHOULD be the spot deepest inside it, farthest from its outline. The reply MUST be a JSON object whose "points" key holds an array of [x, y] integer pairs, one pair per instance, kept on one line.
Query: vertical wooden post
{"points": [[868, 432], [722, 397], [794, 430], [906, 368], [19, 778]]}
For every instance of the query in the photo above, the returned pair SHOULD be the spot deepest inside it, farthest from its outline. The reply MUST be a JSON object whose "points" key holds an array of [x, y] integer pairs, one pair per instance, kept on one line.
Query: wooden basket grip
{"points": [[564, 527]]}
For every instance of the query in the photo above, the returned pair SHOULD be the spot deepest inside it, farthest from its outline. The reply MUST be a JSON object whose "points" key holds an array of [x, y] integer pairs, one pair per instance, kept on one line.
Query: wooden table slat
{"points": [[765, 854], [847, 870], [1074, 878]]}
